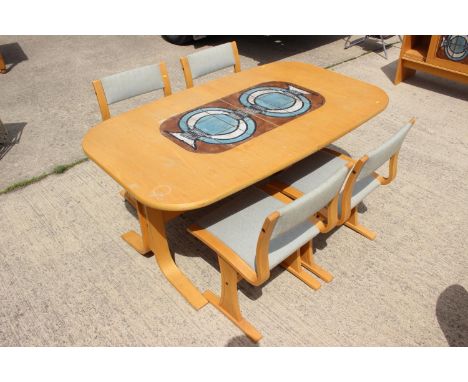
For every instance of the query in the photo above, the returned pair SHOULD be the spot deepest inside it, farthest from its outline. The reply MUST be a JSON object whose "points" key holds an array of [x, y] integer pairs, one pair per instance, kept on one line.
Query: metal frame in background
{"points": [[358, 41]]}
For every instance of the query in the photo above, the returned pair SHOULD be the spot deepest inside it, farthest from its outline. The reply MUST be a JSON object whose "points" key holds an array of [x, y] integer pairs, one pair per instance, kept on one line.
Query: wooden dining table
{"points": [[200, 145]]}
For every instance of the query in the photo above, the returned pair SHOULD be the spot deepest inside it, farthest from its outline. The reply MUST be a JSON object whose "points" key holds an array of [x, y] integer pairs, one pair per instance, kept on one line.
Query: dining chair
{"points": [[261, 228], [298, 179], [131, 83], [210, 60]]}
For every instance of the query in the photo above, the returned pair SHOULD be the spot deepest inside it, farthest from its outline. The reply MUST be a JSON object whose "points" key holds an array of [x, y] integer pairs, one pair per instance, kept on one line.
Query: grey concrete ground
{"points": [[66, 277]]}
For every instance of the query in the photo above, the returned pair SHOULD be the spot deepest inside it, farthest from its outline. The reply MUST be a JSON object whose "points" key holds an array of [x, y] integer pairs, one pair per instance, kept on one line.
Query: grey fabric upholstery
{"points": [[238, 222], [382, 154], [304, 207], [211, 59], [361, 189], [131, 83], [312, 171]]}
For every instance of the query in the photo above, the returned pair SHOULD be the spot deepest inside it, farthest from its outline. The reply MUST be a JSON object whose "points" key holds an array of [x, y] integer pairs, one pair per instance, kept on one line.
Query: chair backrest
{"points": [[131, 83], [283, 222], [306, 206], [210, 60], [382, 154]]}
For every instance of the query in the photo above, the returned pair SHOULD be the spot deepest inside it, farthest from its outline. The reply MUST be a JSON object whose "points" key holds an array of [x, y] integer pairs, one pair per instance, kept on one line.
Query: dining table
{"points": [[200, 145]]}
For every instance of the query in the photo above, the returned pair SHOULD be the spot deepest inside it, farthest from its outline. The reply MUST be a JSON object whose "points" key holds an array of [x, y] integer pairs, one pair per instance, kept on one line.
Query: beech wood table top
{"points": [[199, 145]]}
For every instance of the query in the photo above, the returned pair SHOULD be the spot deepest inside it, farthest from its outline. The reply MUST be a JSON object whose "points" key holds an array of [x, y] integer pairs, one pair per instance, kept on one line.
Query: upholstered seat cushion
{"points": [[312, 171], [238, 223]]}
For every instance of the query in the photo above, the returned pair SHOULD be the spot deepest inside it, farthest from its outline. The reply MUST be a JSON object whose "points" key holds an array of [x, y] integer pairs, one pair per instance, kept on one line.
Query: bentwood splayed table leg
{"points": [[200, 145]]}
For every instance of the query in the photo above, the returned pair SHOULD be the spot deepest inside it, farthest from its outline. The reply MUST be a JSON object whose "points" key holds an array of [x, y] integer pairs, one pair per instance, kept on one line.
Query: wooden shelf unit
{"points": [[429, 54], [2, 64]]}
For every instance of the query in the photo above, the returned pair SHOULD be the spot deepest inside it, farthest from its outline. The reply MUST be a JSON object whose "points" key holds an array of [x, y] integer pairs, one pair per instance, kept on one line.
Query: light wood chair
{"points": [[303, 176], [132, 83], [210, 60], [128, 84], [249, 245]]}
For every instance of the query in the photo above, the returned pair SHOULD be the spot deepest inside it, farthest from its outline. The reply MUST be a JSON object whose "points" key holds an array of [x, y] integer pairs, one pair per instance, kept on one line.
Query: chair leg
{"points": [[384, 46], [355, 226], [139, 242], [293, 264], [228, 304], [307, 259], [128, 198]]}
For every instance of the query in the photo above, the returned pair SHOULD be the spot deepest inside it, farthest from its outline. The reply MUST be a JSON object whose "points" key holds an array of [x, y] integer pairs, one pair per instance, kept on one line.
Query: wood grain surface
{"points": [[162, 175]]}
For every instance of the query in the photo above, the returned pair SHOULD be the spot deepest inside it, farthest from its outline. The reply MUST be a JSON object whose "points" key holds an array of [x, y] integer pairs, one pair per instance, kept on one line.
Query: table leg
{"points": [[140, 243], [160, 247]]}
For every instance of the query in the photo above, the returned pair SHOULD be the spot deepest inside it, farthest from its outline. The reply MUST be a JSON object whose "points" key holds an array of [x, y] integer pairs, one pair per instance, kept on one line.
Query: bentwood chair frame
{"points": [[233, 268], [194, 65], [349, 215]]}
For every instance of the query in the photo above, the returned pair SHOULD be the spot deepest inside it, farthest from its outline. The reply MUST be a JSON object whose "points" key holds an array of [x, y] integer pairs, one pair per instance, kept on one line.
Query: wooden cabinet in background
{"points": [[444, 56], [2, 64]]}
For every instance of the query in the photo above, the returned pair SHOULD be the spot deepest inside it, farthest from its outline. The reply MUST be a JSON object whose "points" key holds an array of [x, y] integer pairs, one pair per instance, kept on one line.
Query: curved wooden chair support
{"points": [[228, 303], [233, 269]]}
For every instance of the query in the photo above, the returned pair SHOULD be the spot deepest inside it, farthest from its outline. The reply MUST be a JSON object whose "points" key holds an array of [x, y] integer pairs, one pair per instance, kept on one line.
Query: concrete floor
{"points": [[67, 279]]}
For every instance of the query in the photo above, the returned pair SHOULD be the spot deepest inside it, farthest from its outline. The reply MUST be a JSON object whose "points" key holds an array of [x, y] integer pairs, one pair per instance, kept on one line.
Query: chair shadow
{"points": [[266, 49], [452, 315], [12, 54], [14, 133], [429, 82], [241, 341]]}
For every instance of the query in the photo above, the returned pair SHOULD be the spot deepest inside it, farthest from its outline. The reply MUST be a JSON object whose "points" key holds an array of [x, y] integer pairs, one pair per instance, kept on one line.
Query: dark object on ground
{"points": [[178, 39]]}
